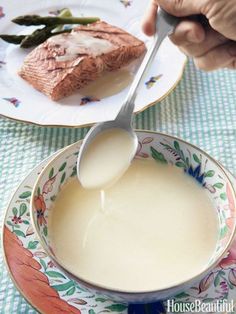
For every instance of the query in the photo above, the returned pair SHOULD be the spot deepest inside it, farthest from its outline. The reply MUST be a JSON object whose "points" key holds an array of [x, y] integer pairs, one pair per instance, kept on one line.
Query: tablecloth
{"points": [[202, 110]]}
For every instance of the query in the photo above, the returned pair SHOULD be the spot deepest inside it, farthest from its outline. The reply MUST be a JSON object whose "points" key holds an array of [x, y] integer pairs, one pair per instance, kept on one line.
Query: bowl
{"points": [[192, 160]]}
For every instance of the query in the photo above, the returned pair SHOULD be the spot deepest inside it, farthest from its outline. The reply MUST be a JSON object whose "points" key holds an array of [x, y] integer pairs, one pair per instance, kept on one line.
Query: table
{"points": [[202, 110]]}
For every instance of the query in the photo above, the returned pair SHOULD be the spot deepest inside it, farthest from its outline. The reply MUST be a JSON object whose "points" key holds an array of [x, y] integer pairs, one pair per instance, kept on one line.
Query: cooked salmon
{"points": [[67, 62]]}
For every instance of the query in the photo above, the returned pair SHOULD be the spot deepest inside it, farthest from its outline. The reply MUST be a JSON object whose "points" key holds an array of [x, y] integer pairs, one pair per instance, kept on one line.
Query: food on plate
{"points": [[34, 39], [67, 62], [29, 20], [53, 25]]}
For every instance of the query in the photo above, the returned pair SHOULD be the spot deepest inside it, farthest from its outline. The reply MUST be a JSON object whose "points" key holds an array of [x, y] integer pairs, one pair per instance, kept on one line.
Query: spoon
{"points": [[165, 25]]}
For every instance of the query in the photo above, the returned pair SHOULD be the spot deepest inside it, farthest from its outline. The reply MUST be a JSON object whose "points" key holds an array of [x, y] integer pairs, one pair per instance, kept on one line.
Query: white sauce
{"points": [[106, 159], [76, 43], [154, 228], [110, 83]]}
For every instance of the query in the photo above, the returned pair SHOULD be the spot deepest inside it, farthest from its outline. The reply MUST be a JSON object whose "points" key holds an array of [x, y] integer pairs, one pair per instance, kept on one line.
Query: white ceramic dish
{"points": [[161, 147]]}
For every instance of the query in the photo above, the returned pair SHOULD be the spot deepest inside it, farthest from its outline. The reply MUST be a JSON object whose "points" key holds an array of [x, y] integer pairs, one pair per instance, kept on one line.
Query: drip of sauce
{"points": [[106, 159], [77, 43], [102, 193], [159, 228]]}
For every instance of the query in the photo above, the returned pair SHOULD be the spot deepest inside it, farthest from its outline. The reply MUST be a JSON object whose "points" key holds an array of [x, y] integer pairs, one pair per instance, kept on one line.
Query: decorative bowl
{"points": [[164, 148]]}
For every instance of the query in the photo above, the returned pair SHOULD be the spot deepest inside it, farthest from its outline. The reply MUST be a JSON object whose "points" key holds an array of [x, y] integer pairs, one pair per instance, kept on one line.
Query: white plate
{"points": [[20, 101]]}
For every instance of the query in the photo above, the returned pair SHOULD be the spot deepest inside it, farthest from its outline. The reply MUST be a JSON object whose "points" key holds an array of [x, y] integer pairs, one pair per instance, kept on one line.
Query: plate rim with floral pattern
{"points": [[222, 279], [21, 102]]}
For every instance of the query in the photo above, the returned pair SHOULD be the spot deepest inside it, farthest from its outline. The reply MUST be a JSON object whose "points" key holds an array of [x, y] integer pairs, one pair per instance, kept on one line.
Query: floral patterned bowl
{"points": [[163, 148]]}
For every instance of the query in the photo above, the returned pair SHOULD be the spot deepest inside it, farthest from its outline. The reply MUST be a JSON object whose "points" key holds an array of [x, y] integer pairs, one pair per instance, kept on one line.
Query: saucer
{"points": [[50, 291]]}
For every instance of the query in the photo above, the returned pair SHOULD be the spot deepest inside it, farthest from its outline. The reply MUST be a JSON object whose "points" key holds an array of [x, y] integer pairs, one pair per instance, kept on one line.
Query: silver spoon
{"points": [[165, 26]]}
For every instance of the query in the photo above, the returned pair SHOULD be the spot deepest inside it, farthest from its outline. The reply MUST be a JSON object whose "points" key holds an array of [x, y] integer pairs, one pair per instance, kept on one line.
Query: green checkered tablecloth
{"points": [[202, 110]]}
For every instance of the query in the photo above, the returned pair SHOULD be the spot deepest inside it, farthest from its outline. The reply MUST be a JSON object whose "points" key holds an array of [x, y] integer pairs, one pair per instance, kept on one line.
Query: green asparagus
{"points": [[39, 36], [52, 26], [36, 38], [29, 20], [12, 39]]}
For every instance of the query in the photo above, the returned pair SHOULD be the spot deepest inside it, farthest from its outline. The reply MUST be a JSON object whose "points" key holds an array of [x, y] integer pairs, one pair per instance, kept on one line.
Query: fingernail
{"points": [[232, 50]]}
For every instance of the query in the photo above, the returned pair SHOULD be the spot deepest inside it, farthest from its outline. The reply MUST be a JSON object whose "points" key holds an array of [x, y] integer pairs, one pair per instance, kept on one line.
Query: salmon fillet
{"points": [[67, 62]]}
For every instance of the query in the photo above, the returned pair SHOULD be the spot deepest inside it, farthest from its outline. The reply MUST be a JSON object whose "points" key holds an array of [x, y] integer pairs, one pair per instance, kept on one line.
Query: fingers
{"points": [[175, 7], [149, 21], [187, 33], [194, 40], [182, 7], [209, 49], [219, 57]]}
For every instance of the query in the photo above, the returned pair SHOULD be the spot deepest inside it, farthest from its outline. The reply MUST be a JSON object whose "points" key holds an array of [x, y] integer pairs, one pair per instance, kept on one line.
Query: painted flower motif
{"points": [[230, 259], [1, 12], [29, 231], [210, 188], [232, 277], [88, 99], [224, 286], [16, 220], [141, 154], [145, 141], [40, 206], [196, 173], [40, 254], [152, 81], [48, 186], [205, 283], [2, 63], [16, 102], [51, 264], [126, 3]]}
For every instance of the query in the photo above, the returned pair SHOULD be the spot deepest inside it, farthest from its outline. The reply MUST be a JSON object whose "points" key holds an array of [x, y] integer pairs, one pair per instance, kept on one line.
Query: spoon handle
{"points": [[165, 25]]}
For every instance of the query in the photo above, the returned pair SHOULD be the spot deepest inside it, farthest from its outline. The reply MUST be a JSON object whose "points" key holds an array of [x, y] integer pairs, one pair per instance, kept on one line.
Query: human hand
{"points": [[213, 44]]}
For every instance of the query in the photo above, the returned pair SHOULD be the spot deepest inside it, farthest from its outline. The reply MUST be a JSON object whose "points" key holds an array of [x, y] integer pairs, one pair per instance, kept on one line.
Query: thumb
{"points": [[182, 7]]}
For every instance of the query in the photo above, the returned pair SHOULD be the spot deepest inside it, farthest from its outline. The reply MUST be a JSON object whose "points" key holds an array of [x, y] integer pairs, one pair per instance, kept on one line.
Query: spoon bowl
{"points": [[108, 141]]}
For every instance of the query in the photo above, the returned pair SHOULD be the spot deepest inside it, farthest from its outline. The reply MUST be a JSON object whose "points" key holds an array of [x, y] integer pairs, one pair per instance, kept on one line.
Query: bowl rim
{"points": [[101, 287]]}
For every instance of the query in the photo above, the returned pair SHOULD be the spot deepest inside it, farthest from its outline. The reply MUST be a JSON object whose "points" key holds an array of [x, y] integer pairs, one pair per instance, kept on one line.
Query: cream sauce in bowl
{"points": [[153, 228]]}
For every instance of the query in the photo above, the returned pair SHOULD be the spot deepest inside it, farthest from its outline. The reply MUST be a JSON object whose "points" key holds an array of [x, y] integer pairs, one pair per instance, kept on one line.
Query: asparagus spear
{"points": [[51, 23], [27, 41], [36, 38], [29, 20], [39, 36], [12, 39]]}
